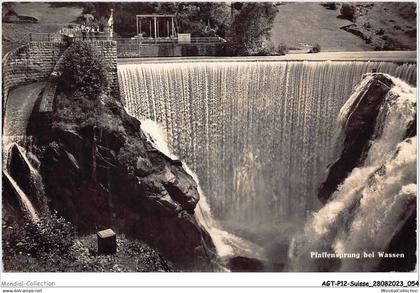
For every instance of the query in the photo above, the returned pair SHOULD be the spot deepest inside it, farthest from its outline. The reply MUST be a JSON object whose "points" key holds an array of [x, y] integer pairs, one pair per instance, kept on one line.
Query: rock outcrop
{"points": [[359, 129], [104, 173], [380, 117]]}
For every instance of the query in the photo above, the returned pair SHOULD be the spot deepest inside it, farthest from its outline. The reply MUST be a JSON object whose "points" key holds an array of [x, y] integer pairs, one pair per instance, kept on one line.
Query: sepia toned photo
{"points": [[209, 137]]}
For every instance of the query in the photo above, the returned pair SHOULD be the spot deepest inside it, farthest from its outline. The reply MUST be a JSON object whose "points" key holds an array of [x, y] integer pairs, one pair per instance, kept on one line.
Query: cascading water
{"points": [[236, 124], [23, 199], [374, 201], [226, 243]]}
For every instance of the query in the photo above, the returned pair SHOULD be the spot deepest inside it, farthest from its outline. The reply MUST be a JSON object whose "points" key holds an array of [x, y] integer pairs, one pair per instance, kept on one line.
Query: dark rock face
{"points": [[11, 211], [26, 176], [98, 177], [404, 241], [358, 132], [412, 129], [245, 264]]}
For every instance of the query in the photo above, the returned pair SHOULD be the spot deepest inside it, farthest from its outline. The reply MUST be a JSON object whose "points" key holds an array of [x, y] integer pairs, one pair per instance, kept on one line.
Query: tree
{"points": [[315, 49], [251, 26], [83, 70], [349, 11]]}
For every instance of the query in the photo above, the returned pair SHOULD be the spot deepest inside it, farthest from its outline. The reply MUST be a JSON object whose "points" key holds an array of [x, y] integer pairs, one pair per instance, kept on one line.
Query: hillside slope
{"points": [[389, 26], [300, 25], [50, 19]]}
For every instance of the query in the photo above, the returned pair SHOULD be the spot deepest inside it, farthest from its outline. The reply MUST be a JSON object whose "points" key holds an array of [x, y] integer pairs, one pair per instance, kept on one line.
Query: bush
{"points": [[315, 49], [251, 28], [49, 236], [332, 5], [83, 71], [282, 49], [38, 246], [52, 246], [349, 11], [269, 49]]}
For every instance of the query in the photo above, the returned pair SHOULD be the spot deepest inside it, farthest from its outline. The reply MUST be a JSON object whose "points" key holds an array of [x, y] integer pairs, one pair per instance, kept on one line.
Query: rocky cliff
{"points": [[98, 170], [373, 179]]}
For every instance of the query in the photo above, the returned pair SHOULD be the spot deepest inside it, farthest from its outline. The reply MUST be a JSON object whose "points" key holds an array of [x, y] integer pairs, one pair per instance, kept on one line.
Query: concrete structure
{"points": [[107, 242], [156, 27]]}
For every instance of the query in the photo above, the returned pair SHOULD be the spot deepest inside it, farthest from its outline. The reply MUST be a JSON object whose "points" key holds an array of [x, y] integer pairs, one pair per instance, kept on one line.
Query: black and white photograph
{"points": [[216, 137]]}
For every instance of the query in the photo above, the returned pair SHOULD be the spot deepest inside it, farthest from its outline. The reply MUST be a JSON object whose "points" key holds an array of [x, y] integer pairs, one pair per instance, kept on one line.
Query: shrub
{"points": [[349, 11], [269, 49], [251, 27], [89, 8], [83, 71], [315, 49], [282, 49], [38, 246], [51, 235], [332, 5]]}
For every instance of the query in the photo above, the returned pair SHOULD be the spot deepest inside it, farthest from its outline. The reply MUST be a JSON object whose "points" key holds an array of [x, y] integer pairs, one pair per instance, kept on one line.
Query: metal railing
{"points": [[59, 37], [194, 40], [90, 36]]}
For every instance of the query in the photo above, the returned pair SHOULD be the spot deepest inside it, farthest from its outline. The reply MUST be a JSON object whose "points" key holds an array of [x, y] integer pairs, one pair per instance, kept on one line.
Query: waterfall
{"points": [[374, 201], [259, 135], [226, 243], [23, 199]]}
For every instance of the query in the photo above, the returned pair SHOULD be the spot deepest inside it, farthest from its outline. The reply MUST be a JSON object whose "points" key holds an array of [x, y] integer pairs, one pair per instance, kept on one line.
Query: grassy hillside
{"points": [[389, 26], [49, 20], [301, 25]]}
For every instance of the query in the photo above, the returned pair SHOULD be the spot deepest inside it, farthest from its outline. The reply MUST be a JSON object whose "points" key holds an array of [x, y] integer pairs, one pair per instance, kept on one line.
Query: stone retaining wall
{"points": [[29, 63], [35, 61]]}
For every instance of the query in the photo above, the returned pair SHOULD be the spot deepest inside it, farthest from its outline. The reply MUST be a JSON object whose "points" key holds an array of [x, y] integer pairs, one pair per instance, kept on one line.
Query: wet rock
{"points": [[11, 211], [143, 166], [412, 128], [26, 176], [358, 132], [402, 242], [182, 188]]}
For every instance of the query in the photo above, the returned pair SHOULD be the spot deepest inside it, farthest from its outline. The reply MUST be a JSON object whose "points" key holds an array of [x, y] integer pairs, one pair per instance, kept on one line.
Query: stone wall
{"points": [[29, 63], [109, 50], [35, 61]]}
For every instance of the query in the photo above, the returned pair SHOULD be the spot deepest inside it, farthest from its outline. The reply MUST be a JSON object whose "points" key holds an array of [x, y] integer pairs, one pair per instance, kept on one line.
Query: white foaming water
{"points": [[35, 177], [226, 243], [24, 201], [375, 200], [238, 123]]}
